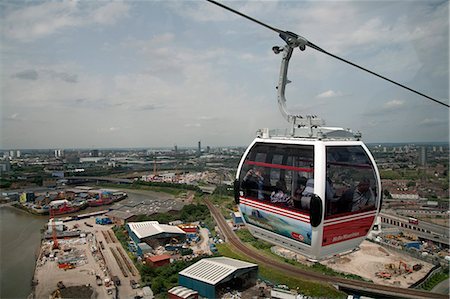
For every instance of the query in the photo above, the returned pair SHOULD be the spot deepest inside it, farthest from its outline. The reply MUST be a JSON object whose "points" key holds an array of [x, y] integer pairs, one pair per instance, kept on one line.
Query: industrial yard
{"points": [[381, 265], [95, 261]]}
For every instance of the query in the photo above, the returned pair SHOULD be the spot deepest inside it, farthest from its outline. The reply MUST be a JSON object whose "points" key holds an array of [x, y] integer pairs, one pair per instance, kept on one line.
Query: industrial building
{"points": [[120, 217], [180, 292], [158, 260], [210, 277], [237, 218], [155, 234]]}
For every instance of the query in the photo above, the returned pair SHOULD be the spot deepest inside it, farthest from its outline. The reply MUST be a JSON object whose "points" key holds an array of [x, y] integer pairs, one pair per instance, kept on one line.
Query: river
{"points": [[19, 242]]}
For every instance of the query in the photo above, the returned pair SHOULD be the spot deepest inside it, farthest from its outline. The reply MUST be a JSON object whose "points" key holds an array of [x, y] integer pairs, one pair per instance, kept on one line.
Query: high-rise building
{"points": [[59, 153], [175, 148], [423, 156], [199, 152], [18, 154], [94, 153]]}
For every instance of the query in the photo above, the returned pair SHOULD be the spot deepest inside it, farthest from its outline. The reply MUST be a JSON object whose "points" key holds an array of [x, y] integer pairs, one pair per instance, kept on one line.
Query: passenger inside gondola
{"points": [[280, 194], [298, 194], [253, 183], [358, 199]]}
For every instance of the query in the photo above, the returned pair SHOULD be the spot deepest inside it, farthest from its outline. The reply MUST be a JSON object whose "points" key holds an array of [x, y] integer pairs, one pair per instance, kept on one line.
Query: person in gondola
{"points": [[363, 197], [358, 198], [280, 194], [253, 183]]}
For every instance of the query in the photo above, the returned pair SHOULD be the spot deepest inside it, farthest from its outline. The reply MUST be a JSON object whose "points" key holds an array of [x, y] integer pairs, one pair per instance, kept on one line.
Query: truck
{"points": [[116, 280], [103, 221], [98, 280], [413, 220]]}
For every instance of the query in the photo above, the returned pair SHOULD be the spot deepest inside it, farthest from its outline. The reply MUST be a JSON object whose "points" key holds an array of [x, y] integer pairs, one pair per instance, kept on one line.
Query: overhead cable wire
{"points": [[317, 48]]}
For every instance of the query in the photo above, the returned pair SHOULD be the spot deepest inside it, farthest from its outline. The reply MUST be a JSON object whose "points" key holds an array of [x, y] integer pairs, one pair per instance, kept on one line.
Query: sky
{"points": [[99, 74]]}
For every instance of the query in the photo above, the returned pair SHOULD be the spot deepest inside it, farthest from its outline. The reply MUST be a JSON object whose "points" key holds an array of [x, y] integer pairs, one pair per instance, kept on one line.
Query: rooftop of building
{"points": [[150, 228], [214, 270]]}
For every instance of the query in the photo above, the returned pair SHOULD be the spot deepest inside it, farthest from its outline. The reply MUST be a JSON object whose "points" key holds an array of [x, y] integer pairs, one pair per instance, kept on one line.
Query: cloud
{"points": [[329, 94], [388, 107], [43, 19], [149, 107], [27, 75], [45, 74], [110, 13], [13, 117], [393, 105], [197, 125], [108, 130], [207, 118], [431, 122], [69, 78]]}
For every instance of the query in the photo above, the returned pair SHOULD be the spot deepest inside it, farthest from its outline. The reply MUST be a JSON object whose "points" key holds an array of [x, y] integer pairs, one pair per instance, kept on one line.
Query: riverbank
{"points": [[20, 235]]}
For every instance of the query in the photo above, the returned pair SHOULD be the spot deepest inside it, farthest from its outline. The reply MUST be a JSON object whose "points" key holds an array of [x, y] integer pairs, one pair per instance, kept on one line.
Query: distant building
{"points": [[94, 153], [59, 153], [423, 156], [405, 195], [5, 166]]}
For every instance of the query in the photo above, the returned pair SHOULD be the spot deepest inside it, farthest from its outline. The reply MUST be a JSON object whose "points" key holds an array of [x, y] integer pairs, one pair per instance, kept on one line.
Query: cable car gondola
{"points": [[315, 190]]}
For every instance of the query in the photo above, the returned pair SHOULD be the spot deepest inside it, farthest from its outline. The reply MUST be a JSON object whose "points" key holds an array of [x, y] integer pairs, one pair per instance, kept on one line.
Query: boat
{"points": [[103, 199], [63, 206]]}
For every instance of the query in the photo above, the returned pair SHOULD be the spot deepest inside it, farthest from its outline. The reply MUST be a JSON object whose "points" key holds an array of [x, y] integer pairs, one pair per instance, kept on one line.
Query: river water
{"points": [[19, 243]]}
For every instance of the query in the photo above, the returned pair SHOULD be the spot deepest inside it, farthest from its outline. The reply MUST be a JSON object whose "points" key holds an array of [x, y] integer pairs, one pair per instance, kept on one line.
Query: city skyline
{"points": [[155, 74]]}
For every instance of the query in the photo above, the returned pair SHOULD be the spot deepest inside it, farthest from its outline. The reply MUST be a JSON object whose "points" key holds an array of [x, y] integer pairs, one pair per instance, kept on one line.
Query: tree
{"points": [[411, 184]]}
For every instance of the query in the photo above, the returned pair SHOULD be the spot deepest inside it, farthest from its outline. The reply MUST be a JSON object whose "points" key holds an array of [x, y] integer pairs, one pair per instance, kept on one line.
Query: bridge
{"points": [[83, 179]]}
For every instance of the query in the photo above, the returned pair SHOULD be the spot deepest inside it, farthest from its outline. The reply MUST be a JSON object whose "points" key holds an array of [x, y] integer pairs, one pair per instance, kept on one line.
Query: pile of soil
{"points": [[82, 292]]}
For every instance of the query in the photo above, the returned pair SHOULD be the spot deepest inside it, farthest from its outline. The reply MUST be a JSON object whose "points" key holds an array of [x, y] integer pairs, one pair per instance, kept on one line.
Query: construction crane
{"points": [[54, 237]]}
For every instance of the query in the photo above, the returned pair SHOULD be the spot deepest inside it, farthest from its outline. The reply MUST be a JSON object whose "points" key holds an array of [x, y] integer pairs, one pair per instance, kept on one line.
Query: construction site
{"points": [[381, 265], [92, 264]]}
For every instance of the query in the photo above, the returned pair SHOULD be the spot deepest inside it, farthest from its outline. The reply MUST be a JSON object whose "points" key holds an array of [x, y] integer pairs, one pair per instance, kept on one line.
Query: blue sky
{"points": [[159, 73]]}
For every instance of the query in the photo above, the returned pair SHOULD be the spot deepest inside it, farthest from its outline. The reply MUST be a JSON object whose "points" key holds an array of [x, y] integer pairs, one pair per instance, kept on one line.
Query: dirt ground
{"points": [[91, 260], [373, 258]]}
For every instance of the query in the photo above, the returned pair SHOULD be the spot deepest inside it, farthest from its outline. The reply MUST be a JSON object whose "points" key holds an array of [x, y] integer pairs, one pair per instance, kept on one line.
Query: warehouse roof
{"points": [[120, 214], [214, 270], [182, 292], [150, 228]]}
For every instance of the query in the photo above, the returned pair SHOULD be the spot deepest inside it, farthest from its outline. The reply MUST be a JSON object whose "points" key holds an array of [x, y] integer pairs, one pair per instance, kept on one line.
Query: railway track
{"points": [[393, 292]]}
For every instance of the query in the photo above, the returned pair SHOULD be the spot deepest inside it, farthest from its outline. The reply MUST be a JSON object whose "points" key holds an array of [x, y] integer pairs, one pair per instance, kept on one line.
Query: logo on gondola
{"points": [[297, 236]]}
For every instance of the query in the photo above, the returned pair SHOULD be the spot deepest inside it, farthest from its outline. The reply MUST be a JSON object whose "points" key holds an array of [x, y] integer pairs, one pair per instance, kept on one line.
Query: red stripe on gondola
{"points": [[277, 213], [347, 216], [279, 166], [272, 206], [256, 205]]}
